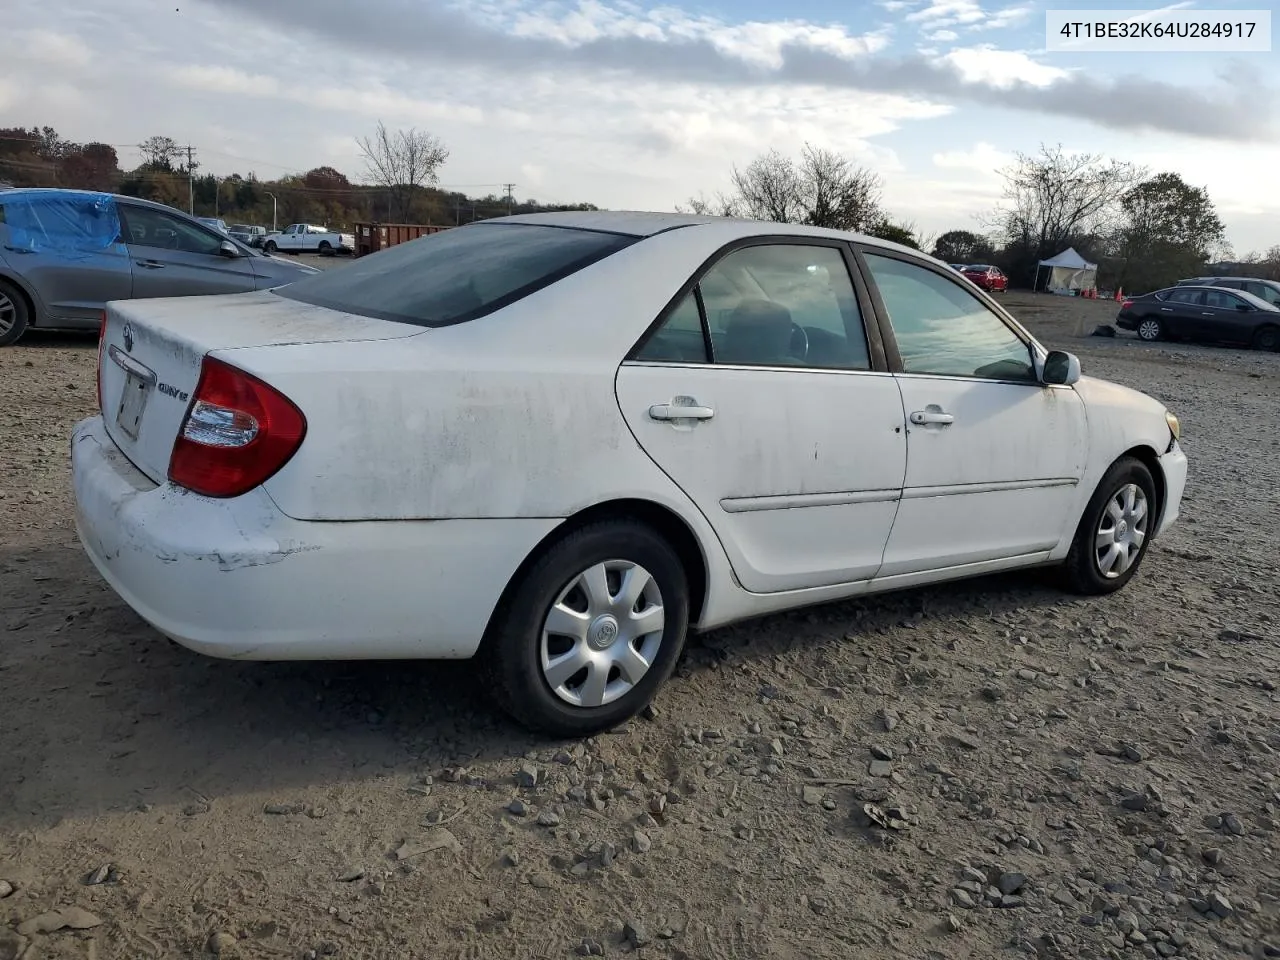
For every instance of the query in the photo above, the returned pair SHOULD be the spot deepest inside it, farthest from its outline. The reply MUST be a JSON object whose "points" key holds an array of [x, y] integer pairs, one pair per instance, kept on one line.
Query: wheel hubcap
{"points": [[1122, 531], [8, 314], [602, 634], [1149, 330]]}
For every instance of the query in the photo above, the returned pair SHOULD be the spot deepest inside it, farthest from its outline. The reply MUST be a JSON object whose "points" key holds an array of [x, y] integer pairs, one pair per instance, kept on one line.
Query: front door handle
{"points": [[680, 408], [150, 264], [925, 417], [17, 249], [1166, 309]]}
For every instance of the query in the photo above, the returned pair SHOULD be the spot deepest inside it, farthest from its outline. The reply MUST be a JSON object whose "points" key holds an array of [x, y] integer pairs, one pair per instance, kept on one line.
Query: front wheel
{"points": [[1267, 338], [270, 246], [13, 315], [1115, 531], [1150, 329], [591, 631]]}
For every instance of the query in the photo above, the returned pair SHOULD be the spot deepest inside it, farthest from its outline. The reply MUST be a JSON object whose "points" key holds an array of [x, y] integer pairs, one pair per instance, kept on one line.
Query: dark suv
{"points": [[1268, 290]]}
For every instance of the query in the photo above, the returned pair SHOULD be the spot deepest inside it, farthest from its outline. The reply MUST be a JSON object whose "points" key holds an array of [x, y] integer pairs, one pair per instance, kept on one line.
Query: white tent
{"points": [[1068, 272]]}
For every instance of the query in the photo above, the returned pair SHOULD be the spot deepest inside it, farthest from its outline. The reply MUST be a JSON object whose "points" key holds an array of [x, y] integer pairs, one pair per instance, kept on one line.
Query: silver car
{"points": [[65, 253]]}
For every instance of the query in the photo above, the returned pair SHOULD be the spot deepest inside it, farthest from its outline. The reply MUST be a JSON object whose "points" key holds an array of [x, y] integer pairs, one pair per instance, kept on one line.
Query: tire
{"points": [[14, 316], [1083, 569], [326, 248], [1267, 338], [518, 649], [270, 246], [1150, 329]]}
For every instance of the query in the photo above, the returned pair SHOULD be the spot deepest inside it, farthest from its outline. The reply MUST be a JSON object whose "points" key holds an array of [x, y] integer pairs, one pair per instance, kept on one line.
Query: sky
{"points": [[633, 105]]}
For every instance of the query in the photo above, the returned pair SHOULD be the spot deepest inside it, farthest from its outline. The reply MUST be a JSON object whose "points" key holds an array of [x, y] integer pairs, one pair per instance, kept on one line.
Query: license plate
{"points": [[132, 402]]}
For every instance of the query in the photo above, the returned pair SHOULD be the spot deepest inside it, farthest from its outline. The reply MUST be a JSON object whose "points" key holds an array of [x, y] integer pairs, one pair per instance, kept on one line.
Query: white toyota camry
{"points": [[559, 442]]}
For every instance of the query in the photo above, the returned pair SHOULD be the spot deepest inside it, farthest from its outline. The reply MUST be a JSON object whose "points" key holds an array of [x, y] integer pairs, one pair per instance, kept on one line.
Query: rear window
{"points": [[458, 274]]}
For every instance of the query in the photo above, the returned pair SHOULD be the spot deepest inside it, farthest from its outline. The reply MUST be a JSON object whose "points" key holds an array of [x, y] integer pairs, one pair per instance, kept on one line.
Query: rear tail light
{"points": [[1126, 304], [237, 433], [102, 346]]}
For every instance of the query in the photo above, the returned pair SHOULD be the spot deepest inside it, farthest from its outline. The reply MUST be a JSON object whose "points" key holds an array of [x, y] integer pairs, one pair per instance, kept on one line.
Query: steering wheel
{"points": [[799, 346]]}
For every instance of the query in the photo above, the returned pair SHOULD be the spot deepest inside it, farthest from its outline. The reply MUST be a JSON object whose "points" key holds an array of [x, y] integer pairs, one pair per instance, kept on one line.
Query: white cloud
{"points": [[1007, 17], [1001, 69], [982, 159], [755, 42], [50, 48], [942, 36], [946, 13]]}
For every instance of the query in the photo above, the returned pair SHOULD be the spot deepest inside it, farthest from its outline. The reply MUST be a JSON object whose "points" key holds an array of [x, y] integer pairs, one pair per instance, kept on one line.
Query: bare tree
{"points": [[402, 163], [704, 206], [837, 193], [159, 153], [1055, 198], [770, 188], [821, 188]]}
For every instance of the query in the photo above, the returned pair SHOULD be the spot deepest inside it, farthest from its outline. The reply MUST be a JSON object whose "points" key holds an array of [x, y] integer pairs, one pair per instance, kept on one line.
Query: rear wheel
{"points": [[13, 315], [591, 631], [326, 248], [1267, 338], [1150, 329], [1115, 531]]}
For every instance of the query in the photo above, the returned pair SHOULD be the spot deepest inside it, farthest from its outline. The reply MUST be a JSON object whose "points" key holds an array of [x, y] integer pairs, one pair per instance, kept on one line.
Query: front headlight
{"points": [[1174, 426]]}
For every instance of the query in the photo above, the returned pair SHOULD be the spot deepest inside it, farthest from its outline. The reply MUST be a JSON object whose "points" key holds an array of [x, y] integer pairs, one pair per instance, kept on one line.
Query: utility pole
{"points": [[510, 199], [273, 210], [191, 183]]}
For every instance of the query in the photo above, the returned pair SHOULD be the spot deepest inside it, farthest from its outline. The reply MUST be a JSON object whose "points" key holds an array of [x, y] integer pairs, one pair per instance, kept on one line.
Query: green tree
{"points": [[894, 233], [963, 246], [1169, 231]]}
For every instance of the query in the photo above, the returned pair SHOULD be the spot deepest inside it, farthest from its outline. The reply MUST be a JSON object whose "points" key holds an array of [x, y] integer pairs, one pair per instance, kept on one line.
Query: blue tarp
{"points": [[54, 221]]}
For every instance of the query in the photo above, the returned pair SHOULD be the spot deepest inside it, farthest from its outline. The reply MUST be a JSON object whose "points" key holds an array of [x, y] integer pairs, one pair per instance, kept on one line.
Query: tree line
{"points": [[1145, 231], [401, 181]]}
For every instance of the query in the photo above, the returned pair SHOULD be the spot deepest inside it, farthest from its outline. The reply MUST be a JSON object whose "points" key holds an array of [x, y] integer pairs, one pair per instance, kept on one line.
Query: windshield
{"points": [[457, 274]]}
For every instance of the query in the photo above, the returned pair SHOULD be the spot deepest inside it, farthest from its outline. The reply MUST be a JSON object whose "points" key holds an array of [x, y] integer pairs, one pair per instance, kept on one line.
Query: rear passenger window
{"points": [[777, 305]]}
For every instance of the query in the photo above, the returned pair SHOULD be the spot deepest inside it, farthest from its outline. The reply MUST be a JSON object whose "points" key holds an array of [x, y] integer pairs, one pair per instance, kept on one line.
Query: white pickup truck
{"points": [[309, 238]]}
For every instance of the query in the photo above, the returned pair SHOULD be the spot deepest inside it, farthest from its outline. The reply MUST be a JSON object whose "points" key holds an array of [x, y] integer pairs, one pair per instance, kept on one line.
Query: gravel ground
{"points": [[983, 769]]}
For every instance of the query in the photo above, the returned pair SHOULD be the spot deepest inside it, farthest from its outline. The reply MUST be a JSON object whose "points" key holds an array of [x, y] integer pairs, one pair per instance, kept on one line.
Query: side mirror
{"points": [[228, 249], [1061, 368]]}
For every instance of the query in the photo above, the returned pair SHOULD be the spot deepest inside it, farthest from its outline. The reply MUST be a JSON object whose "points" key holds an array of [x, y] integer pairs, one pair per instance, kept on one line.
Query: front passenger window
{"points": [[943, 329], [155, 228]]}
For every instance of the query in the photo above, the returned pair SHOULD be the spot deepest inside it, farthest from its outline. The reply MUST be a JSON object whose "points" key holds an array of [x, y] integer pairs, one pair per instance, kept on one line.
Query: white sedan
{"points": [[556, 443]]}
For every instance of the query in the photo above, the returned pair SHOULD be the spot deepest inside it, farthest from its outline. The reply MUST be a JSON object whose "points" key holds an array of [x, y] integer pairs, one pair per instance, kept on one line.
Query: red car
{"points": [[989, 278]]}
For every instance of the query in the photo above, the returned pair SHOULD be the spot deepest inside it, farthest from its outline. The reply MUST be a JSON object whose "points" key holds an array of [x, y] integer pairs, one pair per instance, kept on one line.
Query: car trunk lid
{"points": [[152, 350]]}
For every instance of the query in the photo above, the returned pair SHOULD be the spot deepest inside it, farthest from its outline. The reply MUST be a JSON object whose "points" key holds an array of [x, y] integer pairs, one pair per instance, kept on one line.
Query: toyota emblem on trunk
{"points": [[128, 337]]}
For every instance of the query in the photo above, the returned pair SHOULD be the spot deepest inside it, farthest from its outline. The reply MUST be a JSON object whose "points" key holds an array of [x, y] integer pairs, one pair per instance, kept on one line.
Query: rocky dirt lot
{"points": [[985, 769]]}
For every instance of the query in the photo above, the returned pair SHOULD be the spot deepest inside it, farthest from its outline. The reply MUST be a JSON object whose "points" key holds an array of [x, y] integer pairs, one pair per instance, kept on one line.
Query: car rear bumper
{"points": [[238, 579], [1174, 466], [1126, 321]]}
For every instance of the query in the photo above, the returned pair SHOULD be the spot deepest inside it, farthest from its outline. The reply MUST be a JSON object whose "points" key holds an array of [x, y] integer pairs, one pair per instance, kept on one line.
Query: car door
{"points": [[176, 257], [994, 457], [1180, 312], [1227, 317], [761, 395], [67, 247]]}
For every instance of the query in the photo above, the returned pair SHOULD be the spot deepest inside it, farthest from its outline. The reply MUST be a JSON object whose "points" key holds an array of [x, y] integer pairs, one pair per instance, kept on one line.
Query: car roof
{"points": [[1245, 294], [119, 197], [638, 223]]}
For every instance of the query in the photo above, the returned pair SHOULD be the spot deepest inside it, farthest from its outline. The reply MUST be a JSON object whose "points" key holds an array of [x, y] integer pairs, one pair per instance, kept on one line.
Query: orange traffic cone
{"points": [[1119, 294]]}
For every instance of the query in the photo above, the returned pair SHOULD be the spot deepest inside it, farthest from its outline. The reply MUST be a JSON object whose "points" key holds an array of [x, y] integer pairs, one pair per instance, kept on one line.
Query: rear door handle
{"points": [[1166, 309], [680, 408], [924, 417], [17, 249], [150, 264]]}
